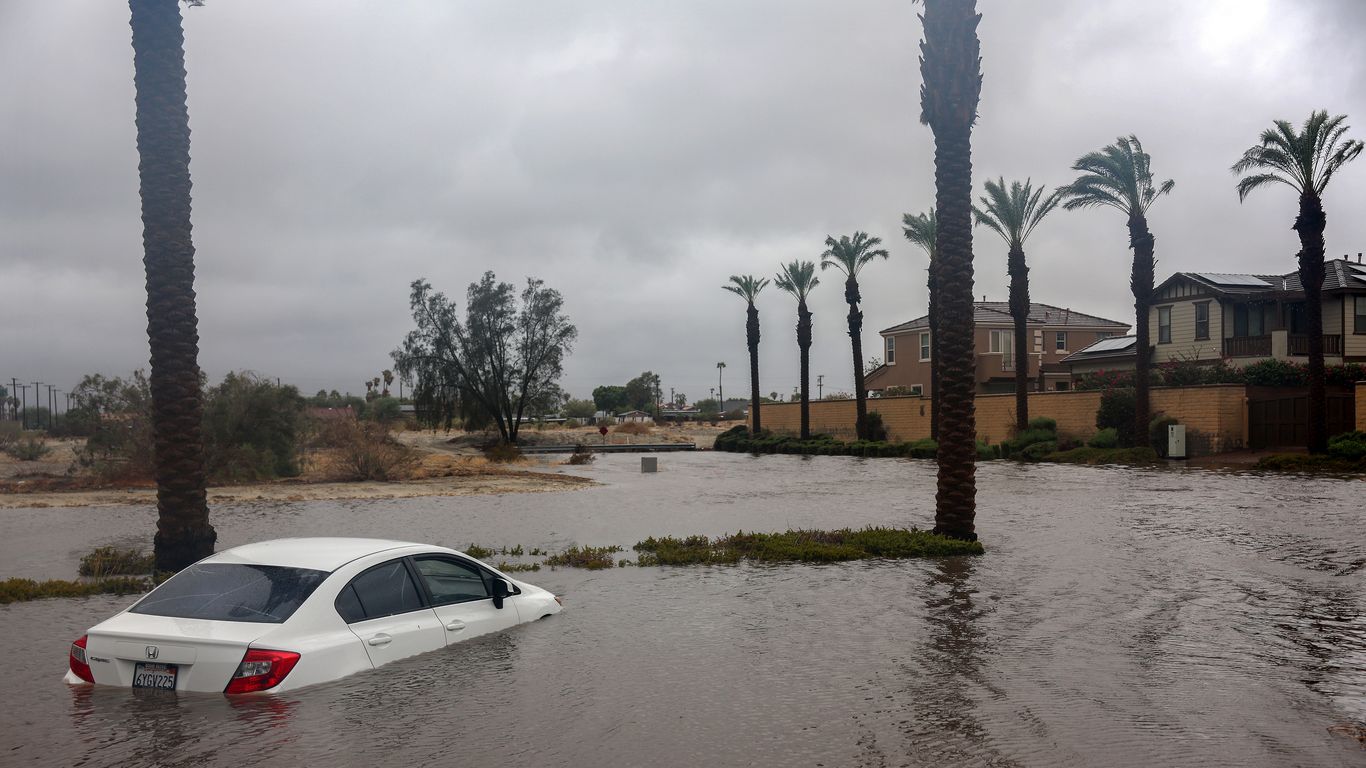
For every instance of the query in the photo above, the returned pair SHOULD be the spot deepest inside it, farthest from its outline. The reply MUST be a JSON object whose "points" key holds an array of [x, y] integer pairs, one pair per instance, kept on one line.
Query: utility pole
{"points": [[23, 406], [820, 386], [720, 389], [37, 412], [14, 387]]}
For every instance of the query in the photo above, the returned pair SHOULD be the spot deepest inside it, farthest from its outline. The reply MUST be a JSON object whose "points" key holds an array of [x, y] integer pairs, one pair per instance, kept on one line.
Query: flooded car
{"points": [[279, 615]]}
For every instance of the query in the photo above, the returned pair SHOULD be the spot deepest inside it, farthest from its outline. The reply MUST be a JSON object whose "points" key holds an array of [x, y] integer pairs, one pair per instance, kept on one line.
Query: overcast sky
{"points": [[631, 153]]}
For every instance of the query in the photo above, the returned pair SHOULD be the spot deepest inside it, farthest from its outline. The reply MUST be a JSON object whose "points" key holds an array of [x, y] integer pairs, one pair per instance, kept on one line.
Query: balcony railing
{"points": [[1299, 345], [1247, 346]]}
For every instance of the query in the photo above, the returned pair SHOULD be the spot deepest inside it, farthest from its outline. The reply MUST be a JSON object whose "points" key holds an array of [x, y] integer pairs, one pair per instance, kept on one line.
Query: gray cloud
{"points": [[631, 154]]}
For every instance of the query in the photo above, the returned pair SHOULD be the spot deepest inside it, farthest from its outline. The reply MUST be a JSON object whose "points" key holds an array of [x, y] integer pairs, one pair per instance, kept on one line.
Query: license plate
{"points": [[149, 675]]}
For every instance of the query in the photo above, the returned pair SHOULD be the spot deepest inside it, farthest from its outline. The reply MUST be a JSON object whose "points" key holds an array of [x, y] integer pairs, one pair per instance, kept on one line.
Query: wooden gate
{"points": [[1277, 417]]}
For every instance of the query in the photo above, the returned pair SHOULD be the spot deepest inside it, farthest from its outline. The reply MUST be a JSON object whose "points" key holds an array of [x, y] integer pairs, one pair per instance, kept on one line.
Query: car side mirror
{"points": [[501, 590]]}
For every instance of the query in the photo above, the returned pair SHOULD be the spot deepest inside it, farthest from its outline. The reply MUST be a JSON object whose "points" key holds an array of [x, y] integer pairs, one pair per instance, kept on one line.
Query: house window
{"points": [[1360, 326], [924, 347], [1164, 325], [1062, 386], [1061, 341], [1104, 335], [1202, 320], [891, 350], [1248, 320], [917, 390], [1002, 342]]}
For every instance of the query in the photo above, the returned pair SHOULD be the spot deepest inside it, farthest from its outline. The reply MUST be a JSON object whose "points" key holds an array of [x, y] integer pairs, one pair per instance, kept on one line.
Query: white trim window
{"points": [[924, 346], [918, 390], [1060, 343], [891, 350], [1003, 344], [1164, 325], [1359, 317]]}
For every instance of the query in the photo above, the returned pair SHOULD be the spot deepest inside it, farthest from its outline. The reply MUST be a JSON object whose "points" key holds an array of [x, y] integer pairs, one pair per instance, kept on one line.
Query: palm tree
{"points": [[1120, 176], [950, 68], [184, 534], [1306, 161], [388, 379], [920, 230], [798, 278], [850, 255], [720, 388], [1013, 214]]}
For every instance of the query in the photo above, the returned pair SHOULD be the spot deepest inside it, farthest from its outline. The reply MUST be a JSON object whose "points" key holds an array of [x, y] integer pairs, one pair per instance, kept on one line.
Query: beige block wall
{"points": [[1361, 406], [1218, 411]]}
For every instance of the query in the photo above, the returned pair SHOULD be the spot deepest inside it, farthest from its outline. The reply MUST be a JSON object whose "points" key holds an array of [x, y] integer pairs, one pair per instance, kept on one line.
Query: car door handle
{"points": [[455, 626], [380, 639]]}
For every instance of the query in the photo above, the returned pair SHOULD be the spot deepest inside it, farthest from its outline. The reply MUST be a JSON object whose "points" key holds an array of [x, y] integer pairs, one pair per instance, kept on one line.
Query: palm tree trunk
{"points": [[1310, 224], [934, 352], [951, 71], [1141, 284], [1019, 310], [184, 534], [804, 343], [851, 295], [752, 339]]}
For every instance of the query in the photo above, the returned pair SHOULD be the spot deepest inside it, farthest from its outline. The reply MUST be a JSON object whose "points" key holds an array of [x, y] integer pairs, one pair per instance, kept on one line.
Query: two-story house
{"points": [[1054, 333], [1245, 318]]}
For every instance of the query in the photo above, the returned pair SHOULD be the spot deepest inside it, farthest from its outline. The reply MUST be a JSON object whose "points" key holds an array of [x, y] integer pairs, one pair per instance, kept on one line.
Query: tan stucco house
{"points": [[1054, 332]]}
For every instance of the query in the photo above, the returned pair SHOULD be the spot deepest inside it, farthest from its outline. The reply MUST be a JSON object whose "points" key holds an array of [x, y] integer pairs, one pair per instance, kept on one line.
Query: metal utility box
{"points": [[1176, 441], [649, 463]]}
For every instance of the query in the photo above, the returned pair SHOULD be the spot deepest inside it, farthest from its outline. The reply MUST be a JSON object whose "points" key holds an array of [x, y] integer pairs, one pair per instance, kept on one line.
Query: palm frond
{"points": [[746, 287], [851, 254], [797, 278], [1119, 176], [1306, 159], [921, 229]]}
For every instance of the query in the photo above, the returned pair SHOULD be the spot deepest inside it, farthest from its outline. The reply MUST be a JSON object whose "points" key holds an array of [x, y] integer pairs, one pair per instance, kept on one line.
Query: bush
{"points": [[1117, 412], [370, 453], [112, 561], [251, 429], [1157, 433], [592, 558], [581, 455], [633, 428], [1275, 373], [1043, 423], [802, 546], [20, 590], [1037, 451], [28, 448], [1105, 438], [1105, 456], [987, 452], [923, 449], [876, 429], [503, 453], [1349, 446]]}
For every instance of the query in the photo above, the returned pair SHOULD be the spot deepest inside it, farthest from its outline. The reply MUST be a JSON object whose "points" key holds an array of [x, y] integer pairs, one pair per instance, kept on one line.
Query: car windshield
{"points": [[232, 592]]}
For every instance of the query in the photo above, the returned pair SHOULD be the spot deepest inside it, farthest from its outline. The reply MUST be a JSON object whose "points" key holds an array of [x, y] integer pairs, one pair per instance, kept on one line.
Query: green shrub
{"points": [[925, 448], [21, 590], [112, 561], [1117, 412], [801, 546], [1275, 373], [1310, 463], [592, 558], [1044, 423], [1157, 433], [1350, 446], [1105, 438], [876, 430], [1105, 456], [28, 448], [1036, 451], [987, 452]]}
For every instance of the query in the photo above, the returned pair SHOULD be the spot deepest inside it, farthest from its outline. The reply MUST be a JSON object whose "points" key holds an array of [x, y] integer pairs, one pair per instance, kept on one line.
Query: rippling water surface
{"points": [[1120, 618]]}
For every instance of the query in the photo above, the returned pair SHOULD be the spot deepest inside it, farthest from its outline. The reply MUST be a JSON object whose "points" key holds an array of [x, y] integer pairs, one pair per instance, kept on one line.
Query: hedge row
{"points": [[738, 440]]}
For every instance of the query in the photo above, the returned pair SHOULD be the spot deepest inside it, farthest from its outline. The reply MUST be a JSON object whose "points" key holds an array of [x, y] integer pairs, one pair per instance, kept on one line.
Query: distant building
{"points": [[634, 417], [1054, 334]]}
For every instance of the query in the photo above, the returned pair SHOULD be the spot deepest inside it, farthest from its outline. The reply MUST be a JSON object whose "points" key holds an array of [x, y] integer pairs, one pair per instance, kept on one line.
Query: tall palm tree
{"points": [[850, 255], [951, 73], [1013, 213], [184, 534], [920, 230], [798, 278], [1120, 176], [1306, 161], [748, 287]]}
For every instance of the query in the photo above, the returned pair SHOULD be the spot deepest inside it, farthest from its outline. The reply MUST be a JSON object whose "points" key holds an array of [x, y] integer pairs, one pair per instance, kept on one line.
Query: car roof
{"points": [[318, 553]]}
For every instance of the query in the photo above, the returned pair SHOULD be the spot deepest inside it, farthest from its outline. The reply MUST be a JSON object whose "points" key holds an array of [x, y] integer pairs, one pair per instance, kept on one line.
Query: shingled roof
{"points": [[1338, 275], [997, 313]]}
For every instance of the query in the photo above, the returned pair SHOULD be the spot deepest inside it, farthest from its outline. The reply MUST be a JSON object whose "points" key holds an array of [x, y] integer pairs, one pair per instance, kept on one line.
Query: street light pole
{"points": [[720, 389]]}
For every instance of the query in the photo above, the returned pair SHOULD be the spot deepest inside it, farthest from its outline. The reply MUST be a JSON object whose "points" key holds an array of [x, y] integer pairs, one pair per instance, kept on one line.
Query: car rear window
{"points": [[232, 592]]}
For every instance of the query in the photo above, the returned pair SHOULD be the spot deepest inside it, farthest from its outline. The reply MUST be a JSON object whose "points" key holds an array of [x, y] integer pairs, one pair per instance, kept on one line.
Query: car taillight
{"points": [[261, 670], [79, 666]]}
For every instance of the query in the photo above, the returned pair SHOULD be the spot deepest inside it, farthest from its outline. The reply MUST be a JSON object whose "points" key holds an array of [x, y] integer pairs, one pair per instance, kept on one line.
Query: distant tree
{"points": [[384, 410], [580, 409], [708, 407], [612, 399], [850, 255], [644, 391], [748, 288], [1013, 214], [1120, 176], [506, 355], [1304, 160], [680, 400], [252, 427], [922, 229], [388, 379], [184, 534], [799, 278]]}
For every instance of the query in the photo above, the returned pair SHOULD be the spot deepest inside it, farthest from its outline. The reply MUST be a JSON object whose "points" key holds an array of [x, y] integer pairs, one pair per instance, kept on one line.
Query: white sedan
{"points": [[282, 614]]}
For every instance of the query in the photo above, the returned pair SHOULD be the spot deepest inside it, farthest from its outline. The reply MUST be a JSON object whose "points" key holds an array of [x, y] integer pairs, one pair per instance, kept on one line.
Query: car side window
{"points": [[348, 606], [384, 590], [450, 581]]}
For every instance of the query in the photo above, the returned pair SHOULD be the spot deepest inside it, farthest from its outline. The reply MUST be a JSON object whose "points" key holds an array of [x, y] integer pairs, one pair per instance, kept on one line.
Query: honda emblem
{"points": [[152, 652]]}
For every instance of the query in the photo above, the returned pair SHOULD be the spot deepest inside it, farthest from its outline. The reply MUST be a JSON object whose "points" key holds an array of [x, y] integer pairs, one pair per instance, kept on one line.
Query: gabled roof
{"points": [[997, 313], [1338, 275], [1113, 348]]}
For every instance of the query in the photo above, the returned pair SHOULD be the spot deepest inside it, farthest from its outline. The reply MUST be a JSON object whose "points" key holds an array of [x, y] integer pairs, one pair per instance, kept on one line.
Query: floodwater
{"points": [[1120, 618]]}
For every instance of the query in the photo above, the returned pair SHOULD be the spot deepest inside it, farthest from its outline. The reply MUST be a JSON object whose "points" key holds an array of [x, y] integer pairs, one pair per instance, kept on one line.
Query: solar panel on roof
{"points": [[1245, 281], [1112, 345]]}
